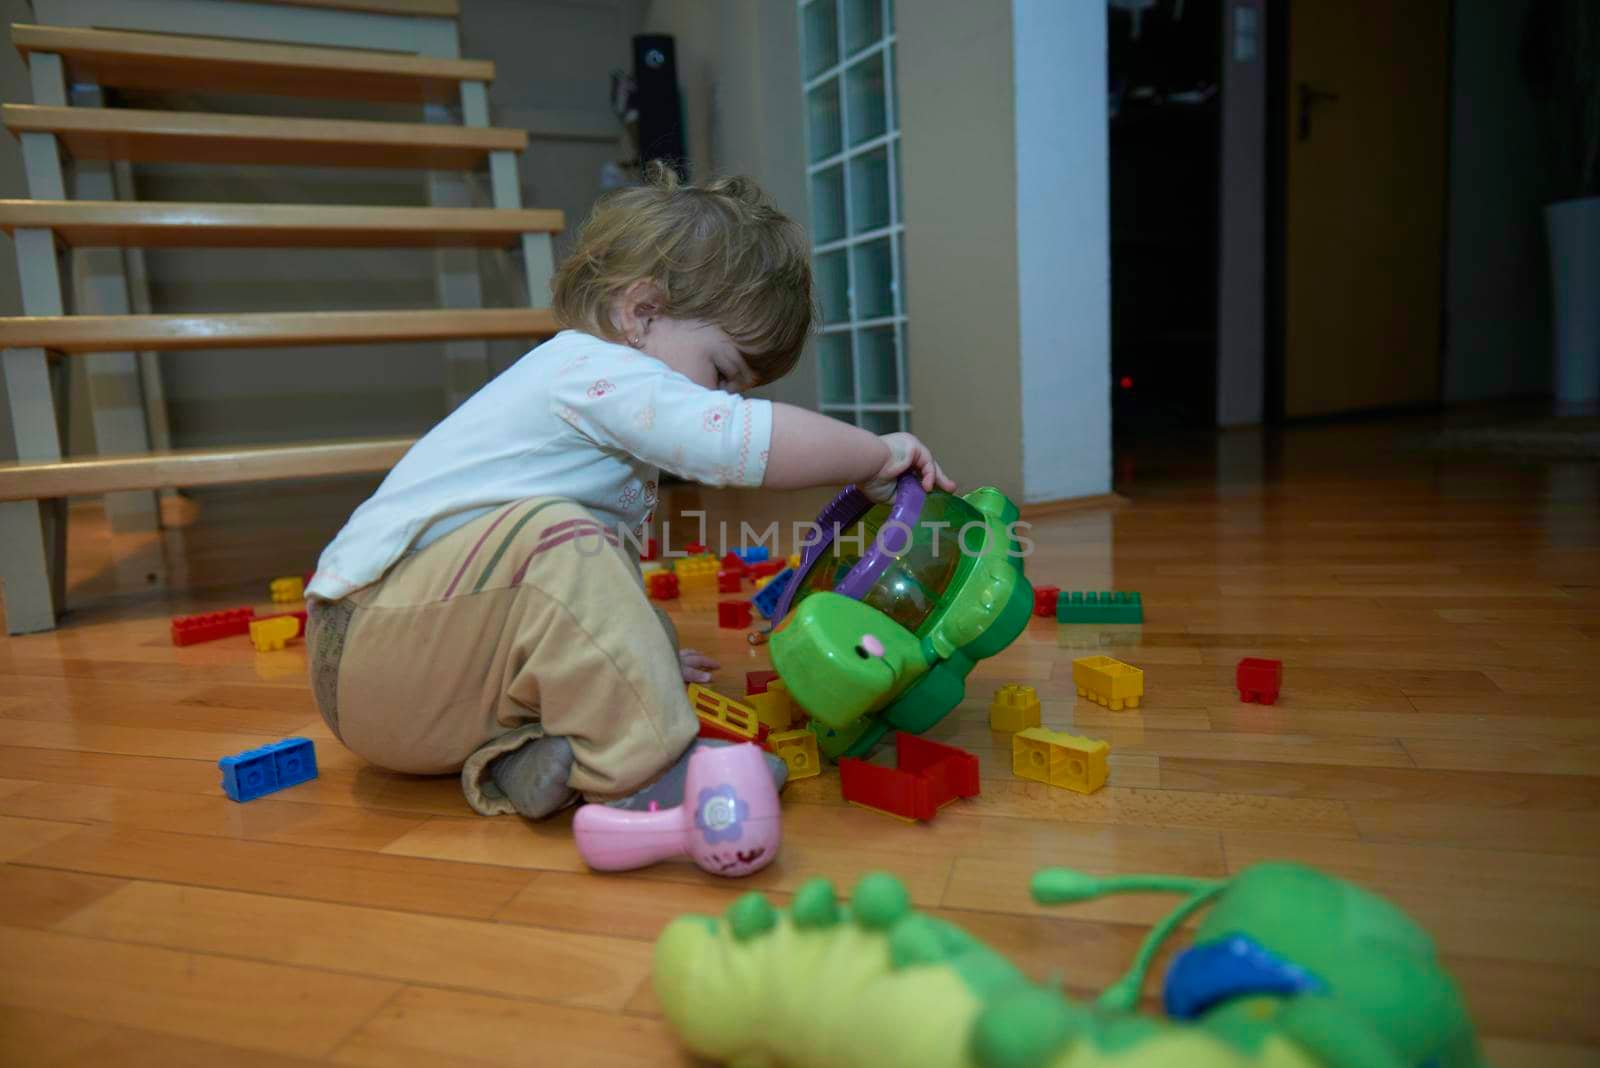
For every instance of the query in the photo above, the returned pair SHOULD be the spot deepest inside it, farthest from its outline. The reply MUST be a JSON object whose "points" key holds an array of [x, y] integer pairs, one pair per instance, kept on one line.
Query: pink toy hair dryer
{"points": [[728, 822]]}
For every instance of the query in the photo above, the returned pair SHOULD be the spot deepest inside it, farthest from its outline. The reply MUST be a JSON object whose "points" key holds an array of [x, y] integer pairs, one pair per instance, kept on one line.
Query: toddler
{"points": [[480, 612]]}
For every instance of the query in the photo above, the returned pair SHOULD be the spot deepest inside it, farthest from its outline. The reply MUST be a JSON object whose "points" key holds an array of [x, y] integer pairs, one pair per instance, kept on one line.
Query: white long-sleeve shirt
{"points": [[576, 417]]}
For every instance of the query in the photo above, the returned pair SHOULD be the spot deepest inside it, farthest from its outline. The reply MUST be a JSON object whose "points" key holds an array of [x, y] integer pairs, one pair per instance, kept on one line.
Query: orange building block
{"points": [[1060, 759]]}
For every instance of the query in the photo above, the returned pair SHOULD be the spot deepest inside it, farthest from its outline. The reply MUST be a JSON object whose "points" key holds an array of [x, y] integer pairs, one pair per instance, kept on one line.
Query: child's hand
{"points": [[906, 453], [695, 665]]}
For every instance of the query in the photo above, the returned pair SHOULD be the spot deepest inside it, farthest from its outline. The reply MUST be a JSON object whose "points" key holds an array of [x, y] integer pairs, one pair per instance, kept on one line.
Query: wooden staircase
{"points": [[106, 44]]}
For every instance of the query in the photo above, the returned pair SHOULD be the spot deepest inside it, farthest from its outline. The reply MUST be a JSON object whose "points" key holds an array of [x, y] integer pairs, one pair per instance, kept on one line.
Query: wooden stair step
{"points": [[254, 330], [156, 224], [27, 481], [448, 9], [120, 59], [200, 137]]}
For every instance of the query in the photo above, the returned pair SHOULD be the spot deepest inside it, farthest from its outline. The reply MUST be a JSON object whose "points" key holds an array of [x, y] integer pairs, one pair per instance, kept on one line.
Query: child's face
{"points": [[702, 352]]}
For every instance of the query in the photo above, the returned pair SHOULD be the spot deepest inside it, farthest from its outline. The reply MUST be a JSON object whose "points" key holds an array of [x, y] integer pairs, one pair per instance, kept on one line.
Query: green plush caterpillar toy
{"points": [[1290, 969]]}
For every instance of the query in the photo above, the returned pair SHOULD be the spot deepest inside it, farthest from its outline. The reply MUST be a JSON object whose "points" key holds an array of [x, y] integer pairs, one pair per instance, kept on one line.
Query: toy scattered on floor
{"points": [[883, 639], [1259, 680], [1015, 707], [254, 772], [1292, 968], [1056, 758], [290, 588], [1108, 681], [765, 568], [756, 555], [728, 824], [733, 615], [663, 585], [792, 561], [1105, 607], [1044, 600], [729, 582], [209, 626], [758, 681], [732, 562], [694, 548], [698, 573], [927, 776], [652, 550], [773, 706], [770, 590], [797, 749], [273, 633], [725, 717]]}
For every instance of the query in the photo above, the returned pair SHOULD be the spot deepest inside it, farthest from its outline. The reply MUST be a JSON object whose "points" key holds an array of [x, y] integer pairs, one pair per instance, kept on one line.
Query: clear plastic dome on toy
{"points": [[916, 577]]}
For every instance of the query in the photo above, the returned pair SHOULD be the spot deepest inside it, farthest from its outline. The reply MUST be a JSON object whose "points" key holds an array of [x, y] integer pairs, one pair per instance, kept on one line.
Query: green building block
{"points": [[1102, 607]]}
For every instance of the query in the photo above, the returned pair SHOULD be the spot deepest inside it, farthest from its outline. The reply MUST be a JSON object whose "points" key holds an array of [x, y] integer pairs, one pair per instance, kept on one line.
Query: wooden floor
{"points": [[1438, 740]]}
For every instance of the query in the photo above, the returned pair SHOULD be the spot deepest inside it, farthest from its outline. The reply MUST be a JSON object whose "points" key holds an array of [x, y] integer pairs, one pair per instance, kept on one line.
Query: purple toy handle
{"points": [[893, 538]]}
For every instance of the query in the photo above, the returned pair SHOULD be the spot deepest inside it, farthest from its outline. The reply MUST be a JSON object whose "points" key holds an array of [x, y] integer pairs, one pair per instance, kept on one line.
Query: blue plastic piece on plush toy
{"points": [[1203, 976], [756, 555], [254, 772], [767, 597]]}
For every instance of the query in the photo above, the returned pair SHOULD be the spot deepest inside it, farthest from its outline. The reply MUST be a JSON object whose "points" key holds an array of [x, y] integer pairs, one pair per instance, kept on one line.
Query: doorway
{"points": [[1361, 119]]}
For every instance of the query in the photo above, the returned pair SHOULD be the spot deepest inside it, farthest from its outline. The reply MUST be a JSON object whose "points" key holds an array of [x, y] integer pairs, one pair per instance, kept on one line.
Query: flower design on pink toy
{"points": [[720, 814], [600, 389], [715, 419]]}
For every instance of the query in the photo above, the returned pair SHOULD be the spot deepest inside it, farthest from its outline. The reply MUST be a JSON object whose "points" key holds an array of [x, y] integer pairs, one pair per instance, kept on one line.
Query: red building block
{"points": [[1044, 600], [191, 630], [728, 581], [929, 777], [756, 681], [694, 548], [652, 550], [733, 615], [663, 585], [1258, 679], [732, 563], [766, 567]]}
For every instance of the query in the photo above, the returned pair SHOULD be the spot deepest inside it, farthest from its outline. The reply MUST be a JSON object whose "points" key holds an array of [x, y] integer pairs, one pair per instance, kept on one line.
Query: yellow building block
{"points": [[798, 749], [722, 711], [273, 633], [794, 560], [1015, 707], [775, 708], [697, 573], [1060, 759], [292, 588], [1108, 681]]}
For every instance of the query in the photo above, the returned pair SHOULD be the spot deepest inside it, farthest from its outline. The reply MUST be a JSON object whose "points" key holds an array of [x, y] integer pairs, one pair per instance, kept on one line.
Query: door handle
{"points": [[1310, 96]]}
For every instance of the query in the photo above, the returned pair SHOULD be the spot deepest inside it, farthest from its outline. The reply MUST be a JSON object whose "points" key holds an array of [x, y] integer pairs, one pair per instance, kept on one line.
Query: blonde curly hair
{"points": [[719, 252]]}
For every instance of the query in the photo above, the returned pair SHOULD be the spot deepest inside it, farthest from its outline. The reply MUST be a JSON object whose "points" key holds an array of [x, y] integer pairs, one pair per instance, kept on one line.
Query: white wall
{"points": [[1497, 331], [1063, 248]]}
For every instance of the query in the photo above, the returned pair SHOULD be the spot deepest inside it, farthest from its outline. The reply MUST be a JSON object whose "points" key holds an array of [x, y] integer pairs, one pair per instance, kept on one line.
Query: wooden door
{"points": [[1367, 111]]}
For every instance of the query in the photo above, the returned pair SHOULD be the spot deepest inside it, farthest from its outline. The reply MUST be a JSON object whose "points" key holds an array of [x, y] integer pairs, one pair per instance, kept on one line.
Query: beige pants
{"points": [[530, 619]]}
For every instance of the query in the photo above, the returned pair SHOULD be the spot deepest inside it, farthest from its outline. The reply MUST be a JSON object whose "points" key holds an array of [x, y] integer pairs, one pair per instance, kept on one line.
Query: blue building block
{"points": [[756, 555], [254, 772], [767, 598]]}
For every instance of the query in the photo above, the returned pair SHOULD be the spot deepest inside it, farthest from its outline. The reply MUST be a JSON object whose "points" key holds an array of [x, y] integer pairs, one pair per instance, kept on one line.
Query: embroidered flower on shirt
{"points": [[715, 419], [645, 418], [629, 494], [600, 389]]}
